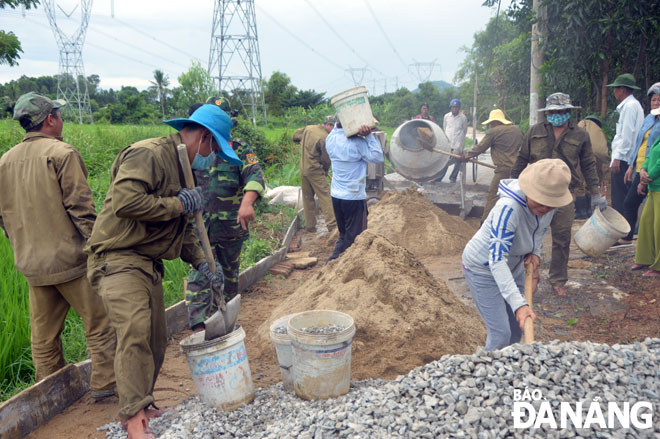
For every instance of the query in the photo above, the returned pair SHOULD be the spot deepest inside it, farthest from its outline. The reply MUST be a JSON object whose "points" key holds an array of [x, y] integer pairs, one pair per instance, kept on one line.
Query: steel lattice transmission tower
{"points": [[234, 61], [71, 82]]}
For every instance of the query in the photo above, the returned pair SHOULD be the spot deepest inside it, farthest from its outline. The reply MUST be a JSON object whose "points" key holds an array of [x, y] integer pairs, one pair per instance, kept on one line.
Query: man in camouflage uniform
{"points": [[229, 191], [314, 166]]}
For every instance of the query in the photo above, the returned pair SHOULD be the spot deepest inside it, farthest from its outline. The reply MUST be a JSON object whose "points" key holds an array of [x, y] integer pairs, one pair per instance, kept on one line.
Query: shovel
{"points": [[223, 320], [425, 139], [528, 336]]}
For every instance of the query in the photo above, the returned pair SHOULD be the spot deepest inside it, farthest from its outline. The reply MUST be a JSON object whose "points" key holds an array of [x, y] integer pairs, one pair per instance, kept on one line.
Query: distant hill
{"points": [[439, 84]]}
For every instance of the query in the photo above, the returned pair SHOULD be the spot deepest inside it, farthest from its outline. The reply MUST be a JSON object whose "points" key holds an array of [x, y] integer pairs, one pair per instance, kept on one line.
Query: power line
{"points": [[332, 29], [301, 41], [133, 46], [373, 14], [105, 49], [187, 54]]}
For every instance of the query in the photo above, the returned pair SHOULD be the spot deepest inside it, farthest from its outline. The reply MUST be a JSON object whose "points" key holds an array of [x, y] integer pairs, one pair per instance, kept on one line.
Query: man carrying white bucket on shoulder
{"points": [[349, 157]]}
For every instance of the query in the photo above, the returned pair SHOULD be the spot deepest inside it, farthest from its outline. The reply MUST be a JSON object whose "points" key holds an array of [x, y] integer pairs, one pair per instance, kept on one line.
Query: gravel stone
{"points": [[468, 396]]}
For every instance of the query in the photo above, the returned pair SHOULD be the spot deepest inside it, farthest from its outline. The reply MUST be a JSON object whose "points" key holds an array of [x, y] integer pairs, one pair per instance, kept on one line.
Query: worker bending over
{"points": [[145, 219]]}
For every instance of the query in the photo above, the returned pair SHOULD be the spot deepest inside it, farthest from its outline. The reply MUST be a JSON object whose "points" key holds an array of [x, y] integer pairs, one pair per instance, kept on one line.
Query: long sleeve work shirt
{"points": [[630, 121], [349, 157]]}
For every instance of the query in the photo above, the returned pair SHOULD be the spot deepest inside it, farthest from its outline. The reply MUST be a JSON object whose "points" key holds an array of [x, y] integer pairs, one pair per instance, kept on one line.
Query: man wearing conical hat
{"points": [[504, 140]]}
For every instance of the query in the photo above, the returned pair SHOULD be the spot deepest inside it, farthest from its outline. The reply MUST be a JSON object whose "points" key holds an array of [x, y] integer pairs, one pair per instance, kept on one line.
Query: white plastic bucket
{"points": [[321, 363], [283, 350], [353, 109], [220, 369], [600, 231]]}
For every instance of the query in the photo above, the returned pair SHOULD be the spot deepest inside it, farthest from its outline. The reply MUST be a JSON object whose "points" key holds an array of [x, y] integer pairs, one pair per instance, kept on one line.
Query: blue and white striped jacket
{"points": [[510, 232]]}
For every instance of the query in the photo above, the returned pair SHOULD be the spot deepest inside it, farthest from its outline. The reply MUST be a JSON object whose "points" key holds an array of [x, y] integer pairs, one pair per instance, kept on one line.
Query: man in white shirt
{"points": [[349, 157], [455, 127], [630, 121]]}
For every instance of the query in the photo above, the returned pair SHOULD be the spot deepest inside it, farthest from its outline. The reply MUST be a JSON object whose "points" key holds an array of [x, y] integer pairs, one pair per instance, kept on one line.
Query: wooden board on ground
{"points": [[302, 263]]}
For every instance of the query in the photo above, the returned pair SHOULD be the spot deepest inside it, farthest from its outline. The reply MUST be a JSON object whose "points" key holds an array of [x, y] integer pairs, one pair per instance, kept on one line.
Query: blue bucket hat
{"points": [[217, 122]]}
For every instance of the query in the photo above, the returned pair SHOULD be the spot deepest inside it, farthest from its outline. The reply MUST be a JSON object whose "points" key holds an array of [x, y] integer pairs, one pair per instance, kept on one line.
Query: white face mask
{"points": [[200, 162]]}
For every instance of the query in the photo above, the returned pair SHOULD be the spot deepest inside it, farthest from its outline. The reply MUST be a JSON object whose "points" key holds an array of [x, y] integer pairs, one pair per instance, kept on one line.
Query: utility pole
{"points": [[538, 31], [71, 81], [234, 61]]}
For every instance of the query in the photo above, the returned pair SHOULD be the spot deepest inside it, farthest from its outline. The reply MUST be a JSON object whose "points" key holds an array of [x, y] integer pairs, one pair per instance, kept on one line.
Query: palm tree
{"points": [[160, 83]]}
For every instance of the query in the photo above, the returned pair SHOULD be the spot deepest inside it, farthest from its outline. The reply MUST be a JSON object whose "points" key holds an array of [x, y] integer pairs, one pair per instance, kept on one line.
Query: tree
{"points": [[160, 84], [196, 86], [587, 44], [9, 44], [279, 93]]}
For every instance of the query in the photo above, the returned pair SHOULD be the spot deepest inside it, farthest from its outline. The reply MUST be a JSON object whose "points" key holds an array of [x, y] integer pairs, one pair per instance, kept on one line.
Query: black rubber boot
{"points": [[580, 208]]}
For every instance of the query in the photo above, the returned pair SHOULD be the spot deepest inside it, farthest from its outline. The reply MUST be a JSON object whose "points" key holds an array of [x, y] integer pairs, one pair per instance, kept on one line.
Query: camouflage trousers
{"points": [[198, 295]]}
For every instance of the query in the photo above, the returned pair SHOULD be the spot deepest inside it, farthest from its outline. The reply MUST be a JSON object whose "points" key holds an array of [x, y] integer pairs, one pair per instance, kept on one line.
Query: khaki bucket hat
{"points": [[546, 182], [558, 101], [496, 115]]}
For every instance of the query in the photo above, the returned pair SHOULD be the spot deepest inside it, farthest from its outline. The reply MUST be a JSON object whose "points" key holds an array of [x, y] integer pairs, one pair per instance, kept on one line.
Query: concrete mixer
{"points": [[418, 163], [407, 155]]}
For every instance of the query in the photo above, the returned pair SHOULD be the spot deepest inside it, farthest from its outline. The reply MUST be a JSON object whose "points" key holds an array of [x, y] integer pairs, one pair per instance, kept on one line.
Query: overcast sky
{"points": [[385, 36]]}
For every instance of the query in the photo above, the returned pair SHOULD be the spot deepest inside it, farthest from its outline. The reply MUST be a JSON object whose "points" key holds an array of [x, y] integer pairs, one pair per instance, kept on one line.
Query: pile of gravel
{"points": [[469, 396]]}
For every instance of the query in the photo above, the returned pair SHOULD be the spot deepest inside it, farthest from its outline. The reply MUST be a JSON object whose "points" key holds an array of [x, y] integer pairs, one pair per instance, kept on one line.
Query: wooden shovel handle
{"points": [[529, 324], [199, 221], [451, 154]]}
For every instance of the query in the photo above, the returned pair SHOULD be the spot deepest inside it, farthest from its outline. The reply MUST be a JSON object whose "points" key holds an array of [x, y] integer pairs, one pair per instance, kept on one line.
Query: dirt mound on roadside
{"points": [[411, 220], [404, 317]]}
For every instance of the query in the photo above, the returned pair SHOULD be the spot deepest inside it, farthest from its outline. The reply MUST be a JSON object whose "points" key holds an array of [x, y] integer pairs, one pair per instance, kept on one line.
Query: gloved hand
{"points": [[598, 201], [217, 279], [191, 200]]}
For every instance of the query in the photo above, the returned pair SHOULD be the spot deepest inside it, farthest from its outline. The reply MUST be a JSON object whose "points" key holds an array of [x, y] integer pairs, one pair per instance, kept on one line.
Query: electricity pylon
{"points": [[71, 82], [234, 61], [424, 69]]}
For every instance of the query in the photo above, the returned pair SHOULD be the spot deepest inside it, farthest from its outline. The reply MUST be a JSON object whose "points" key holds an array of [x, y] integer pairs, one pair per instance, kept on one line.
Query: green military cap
{"points": [[35, 107], [624, 80], [221, 102], [329, 119]]}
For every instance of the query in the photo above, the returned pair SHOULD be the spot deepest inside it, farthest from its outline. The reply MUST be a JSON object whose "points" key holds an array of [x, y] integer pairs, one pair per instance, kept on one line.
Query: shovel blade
{"points": [[222, 322]]}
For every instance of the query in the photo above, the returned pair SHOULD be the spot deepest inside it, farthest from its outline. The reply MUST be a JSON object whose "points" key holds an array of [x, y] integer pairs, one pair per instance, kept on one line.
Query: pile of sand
{"points": [[411, 220], [404, 317]]}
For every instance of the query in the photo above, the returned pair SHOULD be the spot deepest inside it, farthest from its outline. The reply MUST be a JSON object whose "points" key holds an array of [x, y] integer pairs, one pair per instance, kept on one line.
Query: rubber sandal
{"points": [[637, 267], [560, 290], [651, 273]]}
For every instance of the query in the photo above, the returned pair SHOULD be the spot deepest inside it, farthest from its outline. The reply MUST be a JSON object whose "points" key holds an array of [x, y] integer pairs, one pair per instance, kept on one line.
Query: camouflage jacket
{"points": [[223, 186]]}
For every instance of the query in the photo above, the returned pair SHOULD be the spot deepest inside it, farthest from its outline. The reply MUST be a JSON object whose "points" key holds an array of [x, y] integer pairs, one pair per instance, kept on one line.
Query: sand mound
{"points": [[411, 220], [404, 317]]}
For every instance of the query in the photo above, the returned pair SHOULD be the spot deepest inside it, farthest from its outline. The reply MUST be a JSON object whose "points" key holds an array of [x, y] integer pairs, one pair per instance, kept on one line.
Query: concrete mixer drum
{"points": [[410, 159]]}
